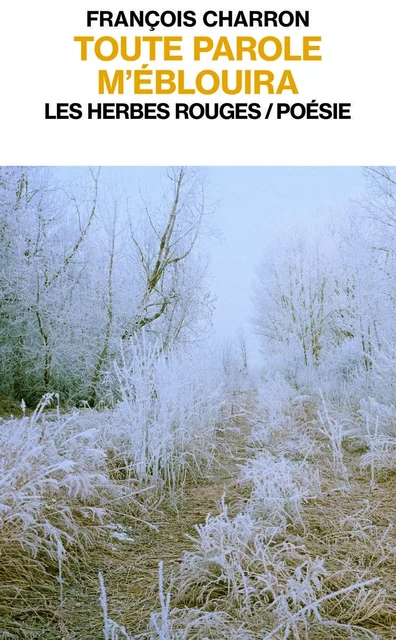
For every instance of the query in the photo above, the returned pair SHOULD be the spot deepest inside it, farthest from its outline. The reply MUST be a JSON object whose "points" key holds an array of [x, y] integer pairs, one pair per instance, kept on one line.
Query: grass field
{"points": [[272, 518]]}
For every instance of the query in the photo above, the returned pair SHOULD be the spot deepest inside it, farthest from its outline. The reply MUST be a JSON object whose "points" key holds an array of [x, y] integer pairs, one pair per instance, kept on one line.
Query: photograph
{"points": [[197, 402]]}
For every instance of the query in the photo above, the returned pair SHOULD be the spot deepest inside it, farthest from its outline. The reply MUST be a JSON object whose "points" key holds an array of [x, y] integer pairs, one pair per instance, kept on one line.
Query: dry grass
{"points": [[326, 572], [29, 585], [355, 533], [342, 537], [131, 571]]}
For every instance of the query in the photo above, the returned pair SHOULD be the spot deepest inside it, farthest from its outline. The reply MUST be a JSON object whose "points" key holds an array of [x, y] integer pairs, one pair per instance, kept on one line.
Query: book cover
{"points": [[197, 321]]}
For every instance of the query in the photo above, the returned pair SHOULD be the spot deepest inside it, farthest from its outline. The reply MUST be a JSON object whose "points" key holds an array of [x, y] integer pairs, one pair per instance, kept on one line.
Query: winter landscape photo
{"points": [[197, 403]]}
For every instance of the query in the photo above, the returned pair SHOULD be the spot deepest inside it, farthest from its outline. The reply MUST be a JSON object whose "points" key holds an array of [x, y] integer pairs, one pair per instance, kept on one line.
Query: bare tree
{"points": [[171, 241]]}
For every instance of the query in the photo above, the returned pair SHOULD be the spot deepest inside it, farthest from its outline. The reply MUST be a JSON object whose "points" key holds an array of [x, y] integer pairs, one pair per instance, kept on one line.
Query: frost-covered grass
{"points": [[300, 554], [279, 488], [171, 408], [70, 480], [51, 475], [264, 572], [266, 586], [54, 492]]}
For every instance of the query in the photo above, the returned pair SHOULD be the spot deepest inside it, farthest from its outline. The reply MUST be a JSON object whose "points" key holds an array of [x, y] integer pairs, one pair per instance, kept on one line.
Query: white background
{"points": [[40, 63]]}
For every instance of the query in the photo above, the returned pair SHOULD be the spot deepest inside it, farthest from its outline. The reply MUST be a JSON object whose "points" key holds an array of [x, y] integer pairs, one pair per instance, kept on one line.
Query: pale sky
{"points": [[257, 204]]}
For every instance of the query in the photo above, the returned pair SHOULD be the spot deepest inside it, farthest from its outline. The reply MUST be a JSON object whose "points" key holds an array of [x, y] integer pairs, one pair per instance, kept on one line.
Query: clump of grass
{"points": [[56, 497], [334, 429], [172, 407], [279, 488], [271, 586]]}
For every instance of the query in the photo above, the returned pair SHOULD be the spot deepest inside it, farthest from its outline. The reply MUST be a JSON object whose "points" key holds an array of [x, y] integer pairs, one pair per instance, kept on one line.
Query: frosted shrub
{"points": [[238, 563], [171, 407], [34, 476], [280, 406], [341, 375], [284, 361], [234, 362], [53, 494], [217, 567], [280, 486]]}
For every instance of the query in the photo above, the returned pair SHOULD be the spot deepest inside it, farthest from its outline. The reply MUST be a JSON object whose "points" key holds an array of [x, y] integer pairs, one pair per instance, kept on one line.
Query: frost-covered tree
{"points": [[81, 270], [168, 269], [44, 230], [328, 303], [294, 302]]}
